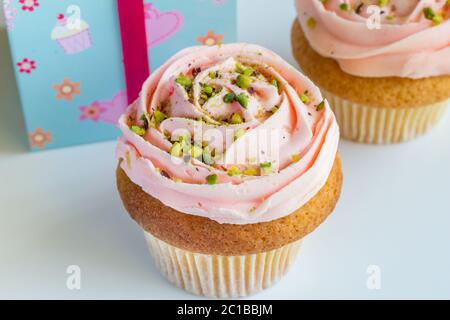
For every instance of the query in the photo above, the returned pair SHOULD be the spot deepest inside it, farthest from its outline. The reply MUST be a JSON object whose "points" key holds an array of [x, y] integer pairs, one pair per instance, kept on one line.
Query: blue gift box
{"points": [[68, 57]]}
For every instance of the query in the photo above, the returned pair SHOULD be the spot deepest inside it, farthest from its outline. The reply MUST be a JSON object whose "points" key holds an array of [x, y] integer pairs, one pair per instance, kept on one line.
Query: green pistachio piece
{"points": [[320, 106], [274, 82], [266, 168], [212, 179], [234, 171], [295, 158], [304, 97], [236, 119], [184, 81], [208, 156], [344, 6], [138, 130], [159, 116], [243, 81], [229, 98], [250, 171], [176, 150], [243, 100], [196, 151], [311, 23], [207, 90]]}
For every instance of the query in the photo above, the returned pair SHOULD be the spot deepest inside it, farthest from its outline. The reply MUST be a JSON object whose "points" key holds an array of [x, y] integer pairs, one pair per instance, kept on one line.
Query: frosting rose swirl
{"points": [[232, 133], [413, 40]]}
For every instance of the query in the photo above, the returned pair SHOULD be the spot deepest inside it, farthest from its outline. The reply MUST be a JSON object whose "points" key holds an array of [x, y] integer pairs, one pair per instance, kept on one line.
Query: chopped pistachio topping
{"points": [[304, 97], [383, 3], [437, 19], [184, 81], [320, 106], [243, 100], [212, 179], [138, 130], [274, 109], [208, 90], [266, 168], [250, 171], [243, 81], [247, 71], [311, 23], [176, 150], [236, 119], [274, 82], [295, 158], [344, 6], [389, 18], [159, 116], [429, 13], [212, 74], [196, 151], [229, 98], [234, 171], [239, 133], [208, 156], [239, 68], [143, 117]]}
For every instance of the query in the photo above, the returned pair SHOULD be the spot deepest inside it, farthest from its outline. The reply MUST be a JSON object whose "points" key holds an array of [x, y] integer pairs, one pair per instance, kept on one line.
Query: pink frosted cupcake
{"points": [[72, 37], [228, 160]]}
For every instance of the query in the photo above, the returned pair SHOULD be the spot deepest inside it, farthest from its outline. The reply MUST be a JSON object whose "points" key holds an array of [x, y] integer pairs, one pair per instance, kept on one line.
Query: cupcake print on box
{"points": [[383, 65], [227, 161], [72, 35]]}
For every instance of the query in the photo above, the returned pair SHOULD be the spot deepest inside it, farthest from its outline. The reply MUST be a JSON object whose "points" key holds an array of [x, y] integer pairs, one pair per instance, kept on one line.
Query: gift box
{"points": [[79, 63]]}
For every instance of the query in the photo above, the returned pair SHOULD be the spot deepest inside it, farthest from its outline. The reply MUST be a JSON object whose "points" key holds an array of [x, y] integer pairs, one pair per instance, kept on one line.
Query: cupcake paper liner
{"points": [[221, 276], [76, 43], [374, 125]]}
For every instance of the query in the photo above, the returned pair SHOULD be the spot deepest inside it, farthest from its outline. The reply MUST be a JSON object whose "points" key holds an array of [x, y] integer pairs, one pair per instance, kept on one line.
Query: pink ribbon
{"points": [[134, 45]]}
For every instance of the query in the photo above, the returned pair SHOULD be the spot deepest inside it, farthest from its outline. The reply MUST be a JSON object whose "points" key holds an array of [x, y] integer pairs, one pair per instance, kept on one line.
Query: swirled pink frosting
{"points": [[305, 135], [407, 44]]}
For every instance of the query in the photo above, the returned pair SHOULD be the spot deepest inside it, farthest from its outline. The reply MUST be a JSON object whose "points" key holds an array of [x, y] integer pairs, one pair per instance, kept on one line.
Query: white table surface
{"points": [[61, 208]]}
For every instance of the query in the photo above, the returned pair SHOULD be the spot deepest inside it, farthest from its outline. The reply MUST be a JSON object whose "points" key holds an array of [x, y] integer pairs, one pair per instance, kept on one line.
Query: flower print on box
{"points": [[26, 66], [107, 111], [210, 39], [161, 26], [39, 138], [29, 5], [66, 90], [10, 14], [73, 36], [91, 112]]}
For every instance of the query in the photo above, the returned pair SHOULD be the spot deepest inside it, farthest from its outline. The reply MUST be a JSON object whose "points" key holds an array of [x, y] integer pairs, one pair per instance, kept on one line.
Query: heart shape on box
{"points": [[161, 26]]}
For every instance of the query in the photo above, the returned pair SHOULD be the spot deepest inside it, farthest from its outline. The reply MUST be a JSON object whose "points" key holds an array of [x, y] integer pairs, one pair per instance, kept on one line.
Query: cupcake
{"points": [[385, 70], [227, 161], [73, 37]]}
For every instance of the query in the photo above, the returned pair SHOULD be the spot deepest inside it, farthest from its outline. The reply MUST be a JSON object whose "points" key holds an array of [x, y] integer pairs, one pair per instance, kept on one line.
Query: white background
{"points": [[61, 208]]}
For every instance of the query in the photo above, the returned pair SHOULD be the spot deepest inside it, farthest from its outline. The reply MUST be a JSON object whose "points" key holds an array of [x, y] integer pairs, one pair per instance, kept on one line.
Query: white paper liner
{"points": [[221, 276], [374, 125]]}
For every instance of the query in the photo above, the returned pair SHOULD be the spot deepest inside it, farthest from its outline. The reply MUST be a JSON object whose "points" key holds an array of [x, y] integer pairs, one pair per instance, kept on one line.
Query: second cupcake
{"points": [[385, 69]]}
